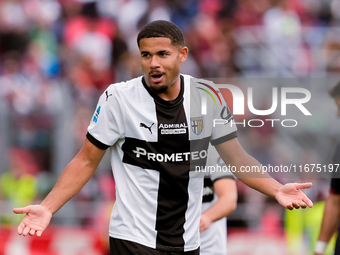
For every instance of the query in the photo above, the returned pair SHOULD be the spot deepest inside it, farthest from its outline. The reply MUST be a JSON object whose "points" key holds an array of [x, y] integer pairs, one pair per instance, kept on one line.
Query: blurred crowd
{"points": [[58, 56]]}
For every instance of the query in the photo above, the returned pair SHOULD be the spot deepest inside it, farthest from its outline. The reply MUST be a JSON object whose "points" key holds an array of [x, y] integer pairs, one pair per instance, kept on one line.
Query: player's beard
{"points": [[159, 89]]}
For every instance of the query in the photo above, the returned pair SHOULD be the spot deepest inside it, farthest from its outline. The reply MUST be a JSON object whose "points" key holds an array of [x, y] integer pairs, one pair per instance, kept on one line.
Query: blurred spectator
{"points": [[283, 33], [14, 26], [332, 49], [91, 37], [19, 184], [249, 13], [16, 87]]}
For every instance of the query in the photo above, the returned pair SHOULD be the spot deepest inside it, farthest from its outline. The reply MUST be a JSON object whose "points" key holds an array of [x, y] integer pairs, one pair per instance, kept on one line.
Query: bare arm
{"points": [[289, 195], [73, 178], [76, 174], [226, 191], [331, 218]]}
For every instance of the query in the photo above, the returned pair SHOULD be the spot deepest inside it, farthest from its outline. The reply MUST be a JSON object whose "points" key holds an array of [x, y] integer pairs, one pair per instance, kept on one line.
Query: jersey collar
{"points": [[161, 101]]}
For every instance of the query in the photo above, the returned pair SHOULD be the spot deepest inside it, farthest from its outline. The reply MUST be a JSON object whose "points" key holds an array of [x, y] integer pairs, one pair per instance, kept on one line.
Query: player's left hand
{"points": [[205, 222], [290, 196]]}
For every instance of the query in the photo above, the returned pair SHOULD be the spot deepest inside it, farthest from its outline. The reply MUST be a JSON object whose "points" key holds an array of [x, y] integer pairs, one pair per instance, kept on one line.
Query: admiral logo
{"points": [[174, 157], [169, 129], [96, 115]]}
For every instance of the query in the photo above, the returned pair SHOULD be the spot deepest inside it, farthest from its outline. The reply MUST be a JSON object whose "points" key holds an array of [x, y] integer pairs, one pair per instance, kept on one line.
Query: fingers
{"points": [[298, 205], [26, 230], [22, 210], [303, 205], [305, 185], [31, 232], [21, 228], [290, 206], [308, 202]]}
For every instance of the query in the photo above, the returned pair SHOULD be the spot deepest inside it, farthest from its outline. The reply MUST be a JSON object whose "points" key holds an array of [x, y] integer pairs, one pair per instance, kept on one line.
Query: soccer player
{"points": [[155, 133], [219, 200], [331, 216]]}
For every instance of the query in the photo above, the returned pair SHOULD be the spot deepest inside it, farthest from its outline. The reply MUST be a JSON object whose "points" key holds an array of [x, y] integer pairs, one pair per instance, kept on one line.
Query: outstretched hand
{"points": [[35, 221], [290, 195]]}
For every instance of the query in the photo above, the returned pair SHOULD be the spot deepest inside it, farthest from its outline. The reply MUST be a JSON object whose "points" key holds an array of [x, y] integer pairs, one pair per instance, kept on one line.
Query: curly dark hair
{"points": [[162, 28]]}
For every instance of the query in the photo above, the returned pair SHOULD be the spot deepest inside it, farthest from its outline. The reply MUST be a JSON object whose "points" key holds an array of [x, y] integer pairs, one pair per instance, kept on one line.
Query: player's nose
{"points": [[154, 62]]}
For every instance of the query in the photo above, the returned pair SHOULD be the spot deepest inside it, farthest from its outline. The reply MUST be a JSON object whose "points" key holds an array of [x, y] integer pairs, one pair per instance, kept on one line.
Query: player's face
{"points": [[161, 63], [337, 101]]}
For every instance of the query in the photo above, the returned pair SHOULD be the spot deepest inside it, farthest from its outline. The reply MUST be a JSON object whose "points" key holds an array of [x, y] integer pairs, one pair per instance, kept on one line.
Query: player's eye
{"points": [[145, 55]]}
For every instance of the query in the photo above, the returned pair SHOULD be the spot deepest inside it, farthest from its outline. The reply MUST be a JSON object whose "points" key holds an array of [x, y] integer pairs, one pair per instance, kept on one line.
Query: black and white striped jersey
{"points": [[156, 146]]}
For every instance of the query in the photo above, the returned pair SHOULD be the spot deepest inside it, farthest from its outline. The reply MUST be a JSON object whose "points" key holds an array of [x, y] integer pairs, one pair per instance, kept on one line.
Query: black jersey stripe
{"points": [[97, 143], [173, 193], [224, 138], [223, 177]]}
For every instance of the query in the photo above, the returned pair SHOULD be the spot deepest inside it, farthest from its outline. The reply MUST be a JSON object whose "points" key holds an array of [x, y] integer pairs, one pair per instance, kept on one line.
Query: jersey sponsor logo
{"points": [[197, 125], [173, 157], [170, 129], [107, 95], [96, 115], [145, 126]]}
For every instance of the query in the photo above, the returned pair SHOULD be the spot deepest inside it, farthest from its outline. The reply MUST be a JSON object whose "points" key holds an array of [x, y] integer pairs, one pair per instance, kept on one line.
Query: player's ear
{"points": [[183, 53]]}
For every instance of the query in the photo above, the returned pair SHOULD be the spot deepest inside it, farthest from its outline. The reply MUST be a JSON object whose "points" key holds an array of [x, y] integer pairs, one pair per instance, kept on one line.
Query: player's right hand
{"points": [[35, 221]]}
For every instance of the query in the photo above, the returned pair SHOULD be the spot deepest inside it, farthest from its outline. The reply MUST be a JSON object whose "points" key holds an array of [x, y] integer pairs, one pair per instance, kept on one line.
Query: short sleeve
{"points": [[107, 123], [223, 125]]}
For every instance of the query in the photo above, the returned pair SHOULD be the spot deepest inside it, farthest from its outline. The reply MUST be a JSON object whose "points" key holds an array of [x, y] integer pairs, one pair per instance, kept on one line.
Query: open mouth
{"points": [[156, 77]]}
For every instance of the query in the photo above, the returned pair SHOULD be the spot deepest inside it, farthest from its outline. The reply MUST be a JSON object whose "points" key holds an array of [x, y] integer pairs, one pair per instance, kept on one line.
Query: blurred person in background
{"points": [[286, 55], [16, 87], [90, 36], [331, 216], [162, 204], [219, 200], [19, 185], [14, 34]]}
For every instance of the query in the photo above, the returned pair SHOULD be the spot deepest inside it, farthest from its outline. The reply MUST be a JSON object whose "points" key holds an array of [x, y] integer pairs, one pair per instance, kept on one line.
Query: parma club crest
{"points": [[197, 125]]}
